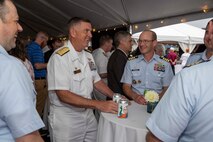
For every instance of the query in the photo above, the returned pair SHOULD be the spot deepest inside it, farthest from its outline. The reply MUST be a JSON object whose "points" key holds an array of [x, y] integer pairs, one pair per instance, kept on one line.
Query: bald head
{"points": [[41, 38]]}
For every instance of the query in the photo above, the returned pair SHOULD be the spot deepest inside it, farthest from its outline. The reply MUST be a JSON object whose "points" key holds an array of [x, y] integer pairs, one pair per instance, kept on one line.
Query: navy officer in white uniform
{"points": [[71, 76], [148, 71]]}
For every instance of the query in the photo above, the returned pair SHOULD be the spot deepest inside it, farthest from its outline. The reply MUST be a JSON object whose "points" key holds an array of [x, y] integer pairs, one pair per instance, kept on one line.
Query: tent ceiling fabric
{"points": [[52, 15], [186, 35], [178, 32]]}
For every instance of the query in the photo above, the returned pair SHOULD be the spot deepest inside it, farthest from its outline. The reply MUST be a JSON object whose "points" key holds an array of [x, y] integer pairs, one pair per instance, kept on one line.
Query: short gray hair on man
{"points": [[120, 35], [159, 47], [75, 21], [3, 10]]}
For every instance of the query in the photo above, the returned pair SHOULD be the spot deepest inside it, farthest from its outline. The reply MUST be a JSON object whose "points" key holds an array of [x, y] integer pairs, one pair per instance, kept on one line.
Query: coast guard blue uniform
{"points": [[184, 114], [197, 58], [18, 116], [142, 75]]}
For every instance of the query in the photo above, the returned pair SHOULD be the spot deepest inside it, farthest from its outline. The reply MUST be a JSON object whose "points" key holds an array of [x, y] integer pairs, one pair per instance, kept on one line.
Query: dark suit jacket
{"points": [[115, 69], [47, 55]]}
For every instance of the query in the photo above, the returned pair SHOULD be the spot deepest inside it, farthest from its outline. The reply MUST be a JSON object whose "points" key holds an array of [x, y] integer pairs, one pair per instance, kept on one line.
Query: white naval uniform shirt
{"points": [[75, 72], [69, 72], [101, 59]]}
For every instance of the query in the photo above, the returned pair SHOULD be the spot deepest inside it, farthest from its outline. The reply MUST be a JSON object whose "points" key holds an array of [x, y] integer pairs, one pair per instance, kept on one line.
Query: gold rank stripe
{"points": [[63, 51], [165, 59]]}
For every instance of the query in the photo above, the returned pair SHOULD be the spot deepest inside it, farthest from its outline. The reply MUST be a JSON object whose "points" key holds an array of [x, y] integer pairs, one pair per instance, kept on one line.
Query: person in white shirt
{"points": [[184, 57], [101, 55], [72, 74]]}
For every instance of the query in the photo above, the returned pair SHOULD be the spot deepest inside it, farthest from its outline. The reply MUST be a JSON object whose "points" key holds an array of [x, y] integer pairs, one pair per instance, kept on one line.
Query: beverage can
{"points": [[123, 108], [116, 97]]}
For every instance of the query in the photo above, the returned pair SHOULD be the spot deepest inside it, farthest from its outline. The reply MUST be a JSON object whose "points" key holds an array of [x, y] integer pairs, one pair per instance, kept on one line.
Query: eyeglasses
{"points": [[145, 41]]}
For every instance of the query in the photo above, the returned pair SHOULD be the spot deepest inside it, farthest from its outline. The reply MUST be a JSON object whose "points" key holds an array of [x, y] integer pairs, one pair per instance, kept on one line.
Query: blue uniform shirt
{"points": [[18, 115], [184, 113], [36, 55], [196, 58], [142, 75]]}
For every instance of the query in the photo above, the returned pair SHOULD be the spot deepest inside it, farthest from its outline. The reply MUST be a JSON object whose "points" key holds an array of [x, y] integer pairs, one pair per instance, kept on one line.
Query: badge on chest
{"points": [[91, 64], [159, 67]]}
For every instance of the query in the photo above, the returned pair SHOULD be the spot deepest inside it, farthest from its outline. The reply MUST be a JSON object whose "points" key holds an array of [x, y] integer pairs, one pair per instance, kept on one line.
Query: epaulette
{"points": [[196, 63], [63, 51], [165, 59], [87, 50], [131, 57]]}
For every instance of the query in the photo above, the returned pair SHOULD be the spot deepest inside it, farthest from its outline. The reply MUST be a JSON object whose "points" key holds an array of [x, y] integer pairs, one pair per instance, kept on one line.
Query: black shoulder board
{"points": [[87, 50], [131, 57], [196, 63]]}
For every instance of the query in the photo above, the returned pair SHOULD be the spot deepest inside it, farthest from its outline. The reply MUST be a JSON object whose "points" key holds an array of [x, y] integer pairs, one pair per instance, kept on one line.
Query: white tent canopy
{"points": [[52, 15], [186, 35]]}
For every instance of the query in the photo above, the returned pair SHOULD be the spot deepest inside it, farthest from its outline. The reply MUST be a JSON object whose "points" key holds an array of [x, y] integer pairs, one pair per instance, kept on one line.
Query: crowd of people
{"points": [[73, 82]]}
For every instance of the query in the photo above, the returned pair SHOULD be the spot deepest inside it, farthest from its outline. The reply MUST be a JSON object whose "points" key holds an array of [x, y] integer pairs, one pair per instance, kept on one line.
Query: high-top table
{"points": [[130, 129]]}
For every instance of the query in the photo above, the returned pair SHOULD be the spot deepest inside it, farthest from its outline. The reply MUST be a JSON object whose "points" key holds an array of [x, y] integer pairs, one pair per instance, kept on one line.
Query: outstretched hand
{"points": [[108, 106], [140, 100]]}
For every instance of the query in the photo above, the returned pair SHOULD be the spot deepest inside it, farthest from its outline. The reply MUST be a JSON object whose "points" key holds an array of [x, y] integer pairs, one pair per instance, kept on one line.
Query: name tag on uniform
{"points": [[135, 69], [92, 66], [77, 71]]}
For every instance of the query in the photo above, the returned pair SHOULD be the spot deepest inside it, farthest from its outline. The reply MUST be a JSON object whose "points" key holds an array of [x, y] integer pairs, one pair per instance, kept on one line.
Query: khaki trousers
{"points": [[41, 89]]}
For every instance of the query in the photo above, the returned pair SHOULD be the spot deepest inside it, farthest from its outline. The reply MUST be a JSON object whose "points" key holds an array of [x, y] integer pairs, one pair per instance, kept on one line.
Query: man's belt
{"points": [[39, 78]]}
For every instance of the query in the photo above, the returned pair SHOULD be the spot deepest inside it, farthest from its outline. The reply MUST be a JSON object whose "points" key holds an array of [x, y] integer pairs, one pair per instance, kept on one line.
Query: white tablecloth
{"points": [[130, 129]]}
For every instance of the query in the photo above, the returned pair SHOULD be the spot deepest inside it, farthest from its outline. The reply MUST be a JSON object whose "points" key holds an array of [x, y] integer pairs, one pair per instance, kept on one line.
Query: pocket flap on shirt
{"points": [[78, 77]]}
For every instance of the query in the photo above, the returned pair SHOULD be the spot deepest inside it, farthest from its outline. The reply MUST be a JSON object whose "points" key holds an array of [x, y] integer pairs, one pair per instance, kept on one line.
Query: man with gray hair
{"points": [[159, 50], [72, 75], [19, 120], [117, 60]]}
